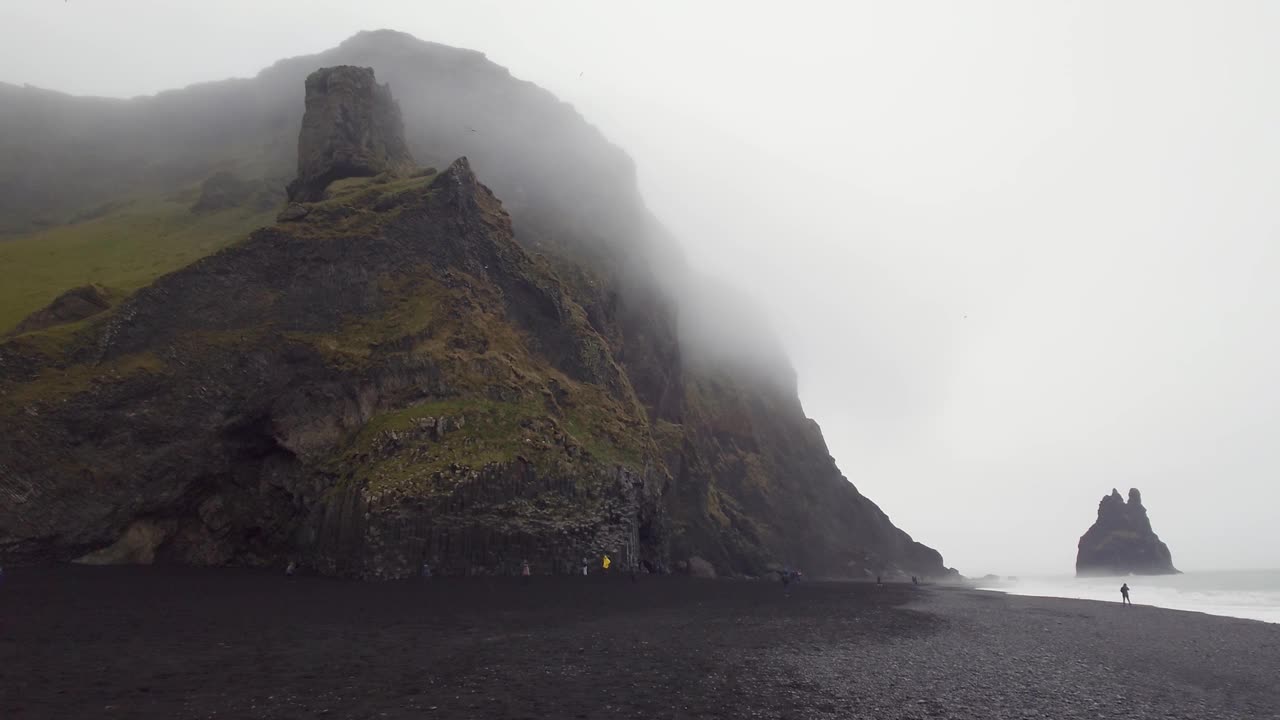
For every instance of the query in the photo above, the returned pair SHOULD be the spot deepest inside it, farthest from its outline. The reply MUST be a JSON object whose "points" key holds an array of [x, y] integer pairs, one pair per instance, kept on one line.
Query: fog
{"points": [[1018, 253]]}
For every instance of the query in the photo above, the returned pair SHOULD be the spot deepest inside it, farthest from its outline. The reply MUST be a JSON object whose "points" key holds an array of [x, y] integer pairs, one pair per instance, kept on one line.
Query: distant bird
{"points": [[469, 128]]}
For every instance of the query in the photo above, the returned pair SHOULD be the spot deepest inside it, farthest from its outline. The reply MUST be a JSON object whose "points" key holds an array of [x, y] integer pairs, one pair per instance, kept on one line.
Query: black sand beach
{"points": [[81, 642]]}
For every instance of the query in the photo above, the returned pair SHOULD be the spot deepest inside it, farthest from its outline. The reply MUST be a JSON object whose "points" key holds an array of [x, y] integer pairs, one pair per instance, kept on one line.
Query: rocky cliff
{"points": [[1121, 541], [388, 380], [351, 128], [690, 453]]}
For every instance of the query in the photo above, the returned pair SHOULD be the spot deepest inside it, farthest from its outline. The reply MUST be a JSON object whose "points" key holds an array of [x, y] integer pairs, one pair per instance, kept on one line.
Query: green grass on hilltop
{"points": [[125, 249]]}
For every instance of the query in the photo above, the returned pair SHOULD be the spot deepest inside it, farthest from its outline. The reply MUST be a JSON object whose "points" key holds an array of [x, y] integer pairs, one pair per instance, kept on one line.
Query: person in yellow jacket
{"points": [[606, 562]]}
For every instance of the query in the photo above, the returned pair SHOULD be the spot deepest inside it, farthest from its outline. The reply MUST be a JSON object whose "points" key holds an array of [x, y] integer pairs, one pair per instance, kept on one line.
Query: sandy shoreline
{"points": [[184, 643]]}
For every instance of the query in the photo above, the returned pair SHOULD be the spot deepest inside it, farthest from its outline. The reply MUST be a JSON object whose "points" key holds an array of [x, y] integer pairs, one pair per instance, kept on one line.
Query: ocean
{"points": [[1252, 594]]}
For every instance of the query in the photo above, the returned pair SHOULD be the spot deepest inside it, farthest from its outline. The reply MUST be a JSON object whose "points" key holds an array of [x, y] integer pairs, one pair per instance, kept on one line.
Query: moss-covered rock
{"points": [[71, 306], [382, 388], [352, 128], [259, 393]]}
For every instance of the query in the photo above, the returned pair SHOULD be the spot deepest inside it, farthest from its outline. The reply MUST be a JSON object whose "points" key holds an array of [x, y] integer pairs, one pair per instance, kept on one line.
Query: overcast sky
{"points": [[1020, 252]]}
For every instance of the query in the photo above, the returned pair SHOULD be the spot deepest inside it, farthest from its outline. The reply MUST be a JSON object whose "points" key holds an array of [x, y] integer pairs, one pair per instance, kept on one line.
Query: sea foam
{"points": [[1251, 594]]}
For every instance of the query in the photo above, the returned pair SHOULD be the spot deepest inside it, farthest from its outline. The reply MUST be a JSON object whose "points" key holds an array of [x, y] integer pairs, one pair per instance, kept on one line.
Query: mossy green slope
{"points": [[124, 248], [389, 380]]}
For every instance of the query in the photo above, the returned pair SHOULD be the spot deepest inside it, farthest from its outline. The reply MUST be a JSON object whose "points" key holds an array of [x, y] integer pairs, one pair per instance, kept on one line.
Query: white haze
{"points": [[1020, 253]]}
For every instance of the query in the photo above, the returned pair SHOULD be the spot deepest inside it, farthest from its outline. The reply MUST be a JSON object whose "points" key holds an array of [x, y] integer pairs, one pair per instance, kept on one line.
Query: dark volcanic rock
{"points": [[701, 568], [352, 128], [1121, 541], [751, 485], [71, 306], [364, 394], [292, 212]]}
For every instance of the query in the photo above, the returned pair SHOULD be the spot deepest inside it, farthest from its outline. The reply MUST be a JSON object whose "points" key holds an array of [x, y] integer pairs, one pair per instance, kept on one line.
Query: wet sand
{"points": [[81, 642]]}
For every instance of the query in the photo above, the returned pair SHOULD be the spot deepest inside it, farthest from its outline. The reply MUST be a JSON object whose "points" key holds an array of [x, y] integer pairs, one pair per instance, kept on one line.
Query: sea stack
{"points": [[351, 128], [1121, 541]]}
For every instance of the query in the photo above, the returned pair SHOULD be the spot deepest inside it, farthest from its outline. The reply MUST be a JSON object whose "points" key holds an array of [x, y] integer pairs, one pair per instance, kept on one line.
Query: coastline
{"points": [[1094, 602], [1244, 594], [203, 643]]}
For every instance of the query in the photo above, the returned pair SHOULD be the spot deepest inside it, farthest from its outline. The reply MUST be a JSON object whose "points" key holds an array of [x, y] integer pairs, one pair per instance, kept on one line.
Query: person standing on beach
{"points": [[524, 572], [605, 562], [1124, 595], [584, 567]]}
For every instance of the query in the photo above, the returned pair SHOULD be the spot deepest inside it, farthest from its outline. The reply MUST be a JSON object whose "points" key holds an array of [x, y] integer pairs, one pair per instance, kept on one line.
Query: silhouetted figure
{"points": [[584, 567], [915, 580], [1124, 595], [426, 571], [291, 568], [524, 572], [878, 583]]}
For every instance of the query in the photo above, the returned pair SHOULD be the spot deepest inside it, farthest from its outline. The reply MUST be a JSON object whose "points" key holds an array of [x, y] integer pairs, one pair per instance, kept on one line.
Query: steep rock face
{"points": [[1121, 541], [751, 481], [351, 128], [391, 381], [755, 489]]}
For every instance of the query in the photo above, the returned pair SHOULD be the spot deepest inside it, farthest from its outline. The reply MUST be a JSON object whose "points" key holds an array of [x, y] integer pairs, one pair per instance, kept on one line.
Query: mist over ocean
{"points": [[1251, 594]]}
